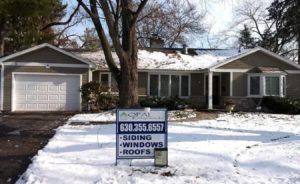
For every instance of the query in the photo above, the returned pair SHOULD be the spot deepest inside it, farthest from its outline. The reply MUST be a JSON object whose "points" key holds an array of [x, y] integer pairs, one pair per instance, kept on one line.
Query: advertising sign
{"points": [[139, 131]]}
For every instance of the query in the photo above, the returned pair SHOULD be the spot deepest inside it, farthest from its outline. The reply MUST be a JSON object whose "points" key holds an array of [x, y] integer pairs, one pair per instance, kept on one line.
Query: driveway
{"points": [[21, 136]]}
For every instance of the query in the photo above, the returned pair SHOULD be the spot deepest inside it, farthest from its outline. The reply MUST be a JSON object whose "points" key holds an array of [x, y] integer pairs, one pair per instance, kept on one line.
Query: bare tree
{"points": [[255, 15], [172, 20], [127, 12], [119, 18], [90, 40]]}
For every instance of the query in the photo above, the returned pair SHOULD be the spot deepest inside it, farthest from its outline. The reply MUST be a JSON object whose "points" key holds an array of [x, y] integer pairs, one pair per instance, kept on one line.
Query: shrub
{"points": [[282, 105], [229, 102], [98, 96], [171, 103]]}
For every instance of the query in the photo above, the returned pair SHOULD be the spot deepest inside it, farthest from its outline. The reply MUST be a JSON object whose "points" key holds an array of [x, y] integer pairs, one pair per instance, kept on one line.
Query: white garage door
{"points": [[46, 92]]}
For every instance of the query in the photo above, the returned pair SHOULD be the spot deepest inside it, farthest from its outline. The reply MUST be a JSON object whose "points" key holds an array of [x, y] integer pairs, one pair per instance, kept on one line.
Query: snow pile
{"points": [[170, 61], [181, 115], [239, 148], [110, 116]]}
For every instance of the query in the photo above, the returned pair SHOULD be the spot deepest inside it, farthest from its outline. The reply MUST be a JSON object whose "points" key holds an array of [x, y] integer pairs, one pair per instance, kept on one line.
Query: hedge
{"points": [[282, 105]]}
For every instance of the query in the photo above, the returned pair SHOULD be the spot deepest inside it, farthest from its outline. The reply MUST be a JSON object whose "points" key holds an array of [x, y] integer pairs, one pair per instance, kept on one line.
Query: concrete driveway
{"points": [[21, 136]]}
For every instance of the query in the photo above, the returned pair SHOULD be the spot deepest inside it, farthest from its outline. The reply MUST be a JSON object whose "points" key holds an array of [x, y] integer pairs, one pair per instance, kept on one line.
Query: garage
{"points": [[46, 92]]}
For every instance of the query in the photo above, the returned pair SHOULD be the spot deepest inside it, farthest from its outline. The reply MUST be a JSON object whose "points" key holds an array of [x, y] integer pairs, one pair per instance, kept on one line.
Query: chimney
{"points": [[156, 41], [184, 49]]}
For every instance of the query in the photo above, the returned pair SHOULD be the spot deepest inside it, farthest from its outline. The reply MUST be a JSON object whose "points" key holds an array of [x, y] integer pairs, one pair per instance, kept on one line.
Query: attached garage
{"points": [[43, 78], [46, 92]]}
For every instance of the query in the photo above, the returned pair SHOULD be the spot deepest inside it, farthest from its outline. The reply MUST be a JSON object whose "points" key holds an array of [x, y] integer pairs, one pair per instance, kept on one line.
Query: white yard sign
{"points": [[139, 131]]}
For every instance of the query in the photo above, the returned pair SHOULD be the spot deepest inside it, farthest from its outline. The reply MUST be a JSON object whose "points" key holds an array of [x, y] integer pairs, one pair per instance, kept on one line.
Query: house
{"points": [[46, 78], [208, 77]]}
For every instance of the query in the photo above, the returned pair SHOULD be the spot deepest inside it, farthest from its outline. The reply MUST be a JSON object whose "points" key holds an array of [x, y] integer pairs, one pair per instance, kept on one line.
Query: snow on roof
{"points": [[154, 60]]}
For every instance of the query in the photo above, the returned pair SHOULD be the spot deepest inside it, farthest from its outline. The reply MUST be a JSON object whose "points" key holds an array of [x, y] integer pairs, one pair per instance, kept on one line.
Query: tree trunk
{"points": [[128, 93], [128, 88], [1, 46], [299, 49], [298, 27], [2, 22]]}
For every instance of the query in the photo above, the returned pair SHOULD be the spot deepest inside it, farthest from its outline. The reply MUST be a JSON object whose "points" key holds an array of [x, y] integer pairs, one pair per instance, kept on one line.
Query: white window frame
{"points": [[109, 78], [262, 84], [283, 86], [170, 74]]}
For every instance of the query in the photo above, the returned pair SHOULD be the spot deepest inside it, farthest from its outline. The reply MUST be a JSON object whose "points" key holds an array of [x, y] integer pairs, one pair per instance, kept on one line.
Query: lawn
{"points": [[234, 148]]}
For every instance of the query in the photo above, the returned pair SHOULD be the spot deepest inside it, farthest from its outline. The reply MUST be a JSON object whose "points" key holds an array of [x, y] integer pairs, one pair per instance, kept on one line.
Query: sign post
{"points": [[139, 132]]}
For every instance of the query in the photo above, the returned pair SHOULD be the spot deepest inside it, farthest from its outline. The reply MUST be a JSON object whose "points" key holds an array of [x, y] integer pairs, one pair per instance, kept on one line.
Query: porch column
{"points": [[90, 75], [210, 90], [230, 82]]}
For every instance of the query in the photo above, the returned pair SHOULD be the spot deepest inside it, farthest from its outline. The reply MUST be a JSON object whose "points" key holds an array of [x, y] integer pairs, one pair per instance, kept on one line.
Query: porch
{"points": [[218, 87]]}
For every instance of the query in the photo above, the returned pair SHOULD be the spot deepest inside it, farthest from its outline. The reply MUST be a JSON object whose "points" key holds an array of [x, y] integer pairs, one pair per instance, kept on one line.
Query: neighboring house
{"points": [[45, 78]]}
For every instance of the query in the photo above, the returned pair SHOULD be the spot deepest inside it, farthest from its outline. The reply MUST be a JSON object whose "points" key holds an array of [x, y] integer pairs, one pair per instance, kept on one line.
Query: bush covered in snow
{"points": [[282, 105]]}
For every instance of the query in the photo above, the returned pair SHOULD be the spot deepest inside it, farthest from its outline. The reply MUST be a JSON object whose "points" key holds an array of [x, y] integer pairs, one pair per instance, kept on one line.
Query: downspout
{"points": [[2, 87]]}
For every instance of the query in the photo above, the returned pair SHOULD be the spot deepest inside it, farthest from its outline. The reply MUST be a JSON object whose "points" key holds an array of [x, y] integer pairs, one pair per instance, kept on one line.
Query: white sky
{"points": [[219, 16]]}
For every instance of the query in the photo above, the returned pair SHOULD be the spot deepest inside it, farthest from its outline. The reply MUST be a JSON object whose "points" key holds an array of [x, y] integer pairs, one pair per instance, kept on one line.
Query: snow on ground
{"points": [[238, 148], [110, 116]]}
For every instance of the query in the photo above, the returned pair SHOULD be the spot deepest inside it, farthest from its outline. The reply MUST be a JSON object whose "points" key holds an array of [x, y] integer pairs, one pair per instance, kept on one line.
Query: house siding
{"points": [[197, 84], [257, 59], [8, 70], [239, 84], [45, 55], [142, 81], [293, 85], [199, 101]]}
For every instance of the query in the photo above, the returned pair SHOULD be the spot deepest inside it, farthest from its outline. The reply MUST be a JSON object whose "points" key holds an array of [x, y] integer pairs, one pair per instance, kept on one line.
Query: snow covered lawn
{"points": [[238, 148]]}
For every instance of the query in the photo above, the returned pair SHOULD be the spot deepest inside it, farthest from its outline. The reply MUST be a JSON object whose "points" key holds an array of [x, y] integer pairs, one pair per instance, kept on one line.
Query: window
{"points": [[169, 85], [164, 85], [255, 85], [153, 85], [104, 79], [266, 85], [184, 85], [272, 86], [174, 85]]}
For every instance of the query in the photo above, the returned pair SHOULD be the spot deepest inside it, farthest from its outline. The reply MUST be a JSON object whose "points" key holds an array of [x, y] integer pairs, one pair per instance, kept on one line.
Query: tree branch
{"points": [[66, 22], [139, 9], [110, 24], [93, 13]]}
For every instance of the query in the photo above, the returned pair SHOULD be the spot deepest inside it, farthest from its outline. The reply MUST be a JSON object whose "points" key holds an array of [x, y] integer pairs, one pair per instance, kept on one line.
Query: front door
{"points": [[216, 90]]}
